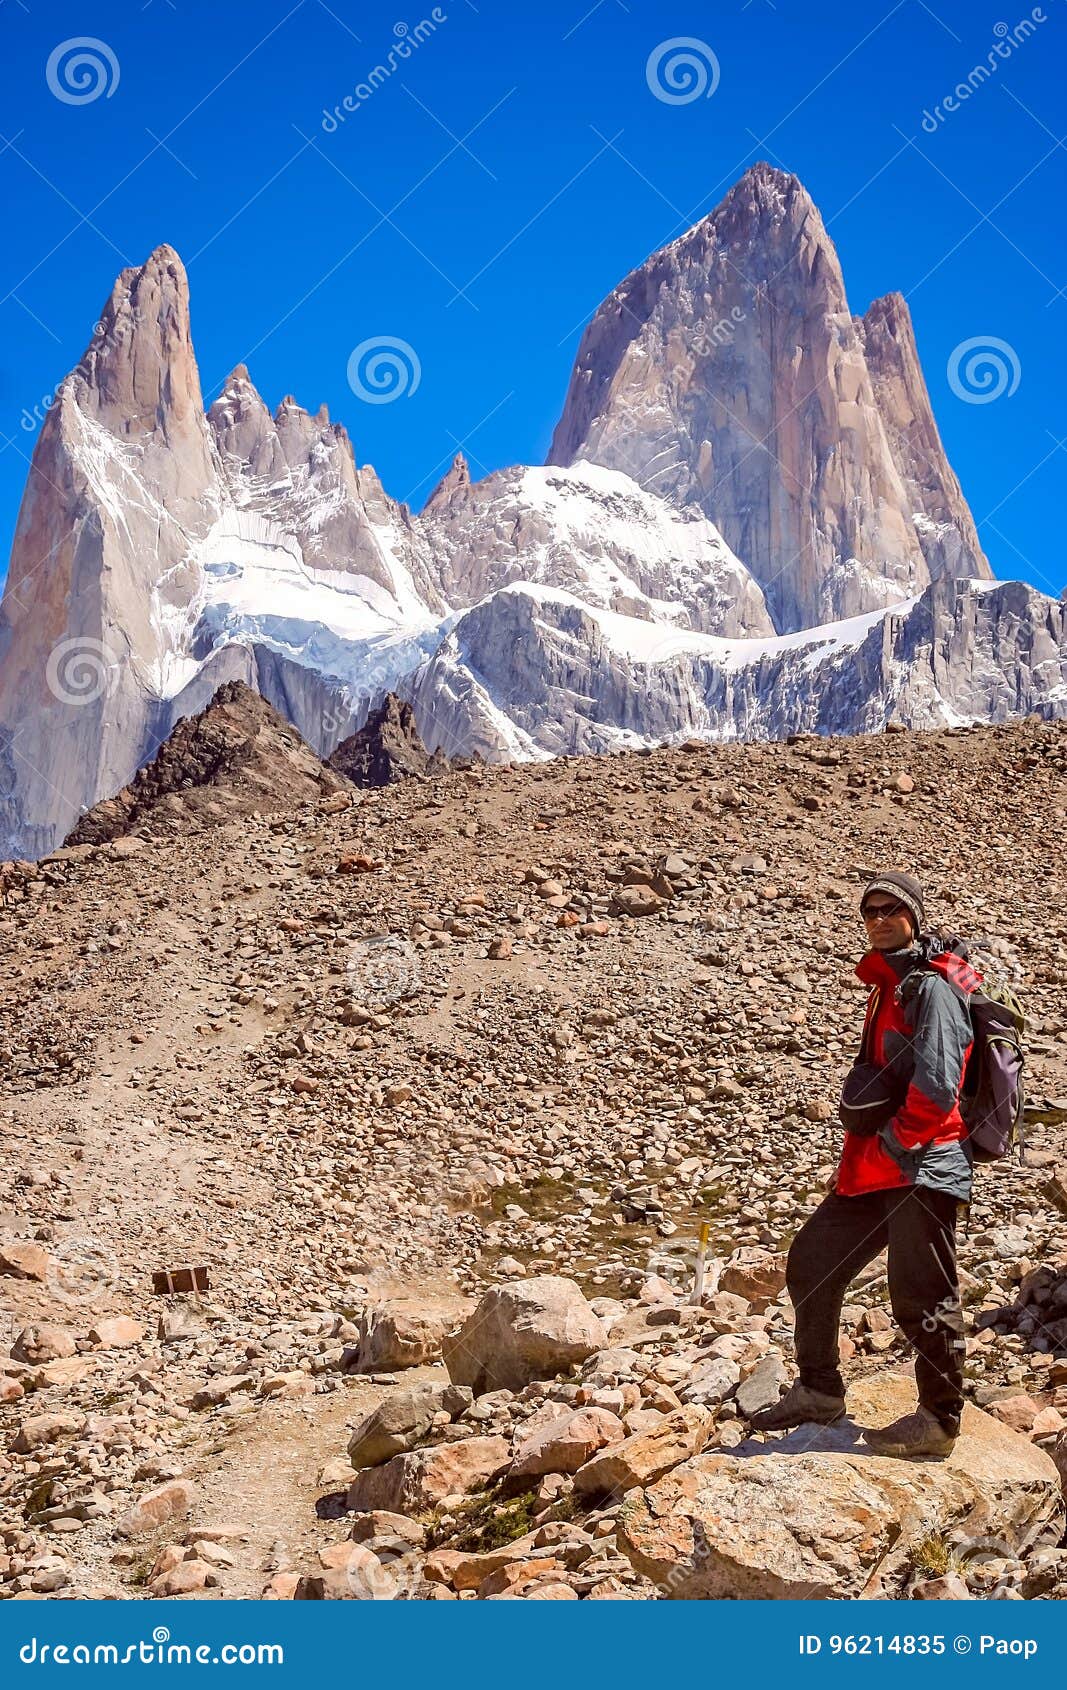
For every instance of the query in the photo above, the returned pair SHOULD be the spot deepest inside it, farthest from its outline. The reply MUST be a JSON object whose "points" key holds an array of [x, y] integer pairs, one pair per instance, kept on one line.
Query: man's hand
{"points": [[831, 1183]]}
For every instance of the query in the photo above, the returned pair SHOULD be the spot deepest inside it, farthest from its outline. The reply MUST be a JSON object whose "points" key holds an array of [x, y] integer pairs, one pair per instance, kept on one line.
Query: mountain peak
{"points": [[138, 374], [764, 195], [768, 180], [892, 311], [387, 748], [237, 378], [457, 476], [235, 756], [727, 372]]}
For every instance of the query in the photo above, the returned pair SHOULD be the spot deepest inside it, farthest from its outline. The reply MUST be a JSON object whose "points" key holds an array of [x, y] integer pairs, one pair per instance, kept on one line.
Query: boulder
{"points": [[44, 1343], [167, 1502], [641, 1459], [818, 1514], [712, 1382], [525, 1330], [566, 1443], [405, 1332], [950, 1587], [637, 900], [116, 1333], [41, 1429], [418, 1480], [398, 1423], [376, 1522], [184, 1579], [758, 1275], [20, 1258], [513, 1579], [762, 1387], [467, 1569]]}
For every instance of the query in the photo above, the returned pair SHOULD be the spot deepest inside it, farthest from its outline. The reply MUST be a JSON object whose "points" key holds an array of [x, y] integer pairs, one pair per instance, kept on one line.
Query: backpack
{"points": [[991, 1100]]}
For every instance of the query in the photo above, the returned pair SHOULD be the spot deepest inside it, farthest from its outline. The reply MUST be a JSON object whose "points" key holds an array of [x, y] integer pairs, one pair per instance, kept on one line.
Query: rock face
{"points": [[386, 748], [728, 371], [530, 1329], [235, 756], [597, 534], [942, 518], [122, 475], [820, 1516], [535, 671], [159, 552]]}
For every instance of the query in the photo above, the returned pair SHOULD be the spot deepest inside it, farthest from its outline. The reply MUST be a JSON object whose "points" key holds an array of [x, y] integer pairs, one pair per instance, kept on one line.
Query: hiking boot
{"points": [[914, 1437], [799, 1407]]}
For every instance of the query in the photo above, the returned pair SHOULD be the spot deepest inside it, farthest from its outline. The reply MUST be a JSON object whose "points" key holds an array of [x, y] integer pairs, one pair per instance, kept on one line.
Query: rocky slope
{"points": [[235, 757], [385, 749], [363, 1066], [728, 371]]}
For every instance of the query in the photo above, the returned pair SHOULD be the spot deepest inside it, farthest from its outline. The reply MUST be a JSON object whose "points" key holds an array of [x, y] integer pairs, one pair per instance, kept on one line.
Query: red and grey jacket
{"points": [[925, 1033]]}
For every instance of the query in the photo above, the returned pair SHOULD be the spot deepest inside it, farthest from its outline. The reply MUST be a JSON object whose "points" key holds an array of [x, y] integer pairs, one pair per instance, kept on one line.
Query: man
{"points": [[905, 1167]]}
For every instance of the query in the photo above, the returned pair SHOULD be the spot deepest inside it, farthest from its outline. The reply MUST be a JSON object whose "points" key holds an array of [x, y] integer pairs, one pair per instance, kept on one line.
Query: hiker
{"points": [[905, 1169]]}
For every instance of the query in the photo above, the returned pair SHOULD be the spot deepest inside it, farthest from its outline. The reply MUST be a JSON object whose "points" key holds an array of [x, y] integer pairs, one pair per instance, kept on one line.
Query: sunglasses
{"points": [[880, 912]]}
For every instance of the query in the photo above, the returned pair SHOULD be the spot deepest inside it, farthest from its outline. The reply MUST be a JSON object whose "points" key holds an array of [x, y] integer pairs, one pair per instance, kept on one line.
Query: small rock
{"points": [[166, 1502], [21, 1259], [116, 1334]]}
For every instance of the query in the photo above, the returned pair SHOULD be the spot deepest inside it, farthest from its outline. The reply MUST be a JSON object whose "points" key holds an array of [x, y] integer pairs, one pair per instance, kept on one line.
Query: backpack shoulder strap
{"points": [[874, 998]]}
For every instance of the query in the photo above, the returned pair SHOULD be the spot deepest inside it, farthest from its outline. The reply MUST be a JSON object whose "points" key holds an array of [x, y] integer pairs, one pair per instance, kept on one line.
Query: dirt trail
{"points": [[260, 1481]]}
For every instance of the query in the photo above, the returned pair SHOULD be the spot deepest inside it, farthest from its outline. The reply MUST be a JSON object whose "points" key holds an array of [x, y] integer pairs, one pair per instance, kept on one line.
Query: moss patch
{"points": [[489, 1520]]}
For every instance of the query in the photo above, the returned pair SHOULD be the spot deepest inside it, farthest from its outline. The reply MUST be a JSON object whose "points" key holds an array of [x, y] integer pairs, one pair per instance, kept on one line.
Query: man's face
{"points": [[888, 922]]}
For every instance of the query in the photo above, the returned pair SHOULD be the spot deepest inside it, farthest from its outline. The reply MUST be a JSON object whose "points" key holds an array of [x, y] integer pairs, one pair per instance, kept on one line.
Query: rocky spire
{"points": [[948, 537], [122, 483], [454, 480], [244, 429], [727, 370]]}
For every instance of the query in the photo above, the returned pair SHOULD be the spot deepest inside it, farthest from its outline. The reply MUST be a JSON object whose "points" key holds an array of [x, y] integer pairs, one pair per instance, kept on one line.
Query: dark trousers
{"points": [[845, 1233]]}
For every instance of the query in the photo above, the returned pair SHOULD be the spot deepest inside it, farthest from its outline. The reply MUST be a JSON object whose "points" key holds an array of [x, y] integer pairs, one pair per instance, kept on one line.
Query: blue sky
{"points": [[493, 188]]}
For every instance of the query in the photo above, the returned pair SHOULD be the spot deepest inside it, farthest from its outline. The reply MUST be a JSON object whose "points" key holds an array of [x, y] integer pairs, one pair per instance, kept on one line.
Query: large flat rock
{"points": [[819, 1515]]}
